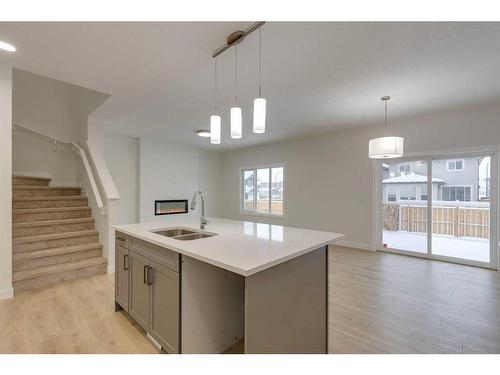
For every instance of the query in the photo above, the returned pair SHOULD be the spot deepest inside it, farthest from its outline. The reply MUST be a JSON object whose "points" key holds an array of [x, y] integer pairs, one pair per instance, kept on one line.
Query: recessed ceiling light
{"points": [[203, 133], [7, 47]]}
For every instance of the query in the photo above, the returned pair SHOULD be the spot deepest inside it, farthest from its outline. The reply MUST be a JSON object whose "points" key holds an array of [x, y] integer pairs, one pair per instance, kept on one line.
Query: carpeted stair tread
{"points": [[58, 268], [51, 209], [53, 236], [19, 257], [49, 198], [52, 222]]}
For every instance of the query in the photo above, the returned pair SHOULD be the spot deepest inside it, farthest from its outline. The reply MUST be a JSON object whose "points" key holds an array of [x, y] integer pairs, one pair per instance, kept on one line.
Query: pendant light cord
{"points": [[215, 86], [236, 75], [260, 62], [385, 131]]}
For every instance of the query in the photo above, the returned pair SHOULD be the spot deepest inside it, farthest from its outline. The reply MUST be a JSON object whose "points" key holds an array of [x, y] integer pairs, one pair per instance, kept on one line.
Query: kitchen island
{"points": [[203, 291]]}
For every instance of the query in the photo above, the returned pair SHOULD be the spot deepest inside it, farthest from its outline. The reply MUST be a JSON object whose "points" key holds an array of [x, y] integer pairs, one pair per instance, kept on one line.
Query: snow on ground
{"points": [[463, 248]]}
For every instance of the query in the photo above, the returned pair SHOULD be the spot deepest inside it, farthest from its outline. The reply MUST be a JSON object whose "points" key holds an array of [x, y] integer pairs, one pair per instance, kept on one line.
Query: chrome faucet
{"points": [[203, 221]]}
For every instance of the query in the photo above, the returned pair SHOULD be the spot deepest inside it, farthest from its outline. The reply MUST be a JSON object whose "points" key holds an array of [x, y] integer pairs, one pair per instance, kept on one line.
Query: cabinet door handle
{"points": [[119, 238], [125, 262], [144, 275], [148, 276]]}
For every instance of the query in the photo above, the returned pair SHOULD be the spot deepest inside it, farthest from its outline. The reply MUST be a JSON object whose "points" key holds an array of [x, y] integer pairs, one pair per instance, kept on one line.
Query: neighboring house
{"points": [[409, 187], [263, 189], [453, 180]]}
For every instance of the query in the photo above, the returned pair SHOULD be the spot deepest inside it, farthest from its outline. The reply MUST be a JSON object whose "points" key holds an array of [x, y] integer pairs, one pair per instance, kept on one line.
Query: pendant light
{"points": [[385, 147], [236, 118], [259, 104], [215, 119]]}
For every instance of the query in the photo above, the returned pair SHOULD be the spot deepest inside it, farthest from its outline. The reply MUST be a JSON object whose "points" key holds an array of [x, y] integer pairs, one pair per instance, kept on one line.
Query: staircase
{"points": [[53, 234]]}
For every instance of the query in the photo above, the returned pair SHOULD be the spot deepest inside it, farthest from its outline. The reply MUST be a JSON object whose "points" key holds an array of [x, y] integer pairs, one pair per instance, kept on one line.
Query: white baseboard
{"points": [[6, 293], [355, 245]]}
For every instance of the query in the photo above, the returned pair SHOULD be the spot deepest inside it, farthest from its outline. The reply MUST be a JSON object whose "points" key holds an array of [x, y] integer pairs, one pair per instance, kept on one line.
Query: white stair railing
{"points": [[80, 151]]}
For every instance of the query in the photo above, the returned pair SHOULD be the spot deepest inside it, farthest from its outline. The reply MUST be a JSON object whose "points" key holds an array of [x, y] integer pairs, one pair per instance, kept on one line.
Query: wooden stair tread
{"points": [[50, 209], [54, 236], [58, 268], [41, 223], [19, 257], [49, 198]]}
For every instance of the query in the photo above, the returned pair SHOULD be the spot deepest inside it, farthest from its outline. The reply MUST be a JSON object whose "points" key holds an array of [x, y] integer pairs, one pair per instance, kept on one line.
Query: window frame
{"points": [[455, 164], [431, 156], [242, 170]]}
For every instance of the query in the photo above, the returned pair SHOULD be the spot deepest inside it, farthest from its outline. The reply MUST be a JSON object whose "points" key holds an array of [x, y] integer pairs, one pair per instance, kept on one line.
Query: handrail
{"points": [[31, 131], [83, 155], [80, 151]]}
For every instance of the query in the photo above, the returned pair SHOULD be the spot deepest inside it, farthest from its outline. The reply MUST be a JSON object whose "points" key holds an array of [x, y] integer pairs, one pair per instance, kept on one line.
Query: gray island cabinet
{"points": [[147, 288], [202, 296]]}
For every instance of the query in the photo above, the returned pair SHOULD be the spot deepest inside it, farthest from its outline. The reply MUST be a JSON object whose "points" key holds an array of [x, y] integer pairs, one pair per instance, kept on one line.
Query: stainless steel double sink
{"points": [[183, 234]]}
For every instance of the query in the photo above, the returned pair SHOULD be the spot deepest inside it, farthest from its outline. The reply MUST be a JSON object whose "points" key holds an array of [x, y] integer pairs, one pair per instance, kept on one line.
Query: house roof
{"points": [[411, 178]]}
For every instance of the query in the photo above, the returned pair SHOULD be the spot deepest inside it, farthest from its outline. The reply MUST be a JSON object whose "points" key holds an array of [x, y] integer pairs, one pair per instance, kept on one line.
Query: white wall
{"points": [[6, 182], [170, 171], [50, 106], [210, 176], [121, 154], [54, 108], [328, 179], [167, 171], [35, 156]]}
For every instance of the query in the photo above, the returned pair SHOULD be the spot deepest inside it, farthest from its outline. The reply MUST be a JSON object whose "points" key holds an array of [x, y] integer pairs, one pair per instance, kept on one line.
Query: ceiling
{"points": [[318, 77]]}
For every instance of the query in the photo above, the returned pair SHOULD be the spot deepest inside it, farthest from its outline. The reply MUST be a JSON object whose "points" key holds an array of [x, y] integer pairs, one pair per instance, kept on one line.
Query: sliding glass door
{"points": [[404, 206], [441, 207]]}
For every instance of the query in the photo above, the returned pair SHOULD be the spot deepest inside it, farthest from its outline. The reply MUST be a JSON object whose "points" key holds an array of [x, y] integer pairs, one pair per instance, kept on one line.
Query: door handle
{"points": [[125, 262], [148, 276]]}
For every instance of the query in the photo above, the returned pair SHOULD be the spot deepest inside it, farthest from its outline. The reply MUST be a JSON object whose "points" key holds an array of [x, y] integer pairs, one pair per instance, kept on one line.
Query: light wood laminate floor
{"points": [[72, 317], [385, 303], [378, 303]]}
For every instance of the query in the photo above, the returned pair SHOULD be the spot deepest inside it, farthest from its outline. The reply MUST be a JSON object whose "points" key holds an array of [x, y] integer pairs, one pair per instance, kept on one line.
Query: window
{"points": [[423, 192], [405, 168], [455, 165], [408, 192], [262, 190], [456, 193], [391, 193]]}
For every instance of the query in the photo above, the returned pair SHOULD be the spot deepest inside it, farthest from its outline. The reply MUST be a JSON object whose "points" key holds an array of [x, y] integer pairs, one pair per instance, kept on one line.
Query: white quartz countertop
{"points": [[242, 247]]}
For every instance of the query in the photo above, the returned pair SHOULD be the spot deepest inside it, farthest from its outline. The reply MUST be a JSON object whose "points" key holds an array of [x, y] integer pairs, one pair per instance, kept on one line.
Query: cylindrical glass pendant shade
{"points": [[215, 129], [259, 115], [236, 123]]}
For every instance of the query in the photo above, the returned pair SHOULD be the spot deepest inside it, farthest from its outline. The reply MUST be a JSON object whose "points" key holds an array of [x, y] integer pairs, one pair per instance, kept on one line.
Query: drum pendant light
{"points": [[386, 147]]}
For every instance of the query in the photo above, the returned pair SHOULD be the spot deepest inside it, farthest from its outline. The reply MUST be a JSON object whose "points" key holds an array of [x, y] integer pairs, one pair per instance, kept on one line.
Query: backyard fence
{"points": [[263, 206], [458, 219]]}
